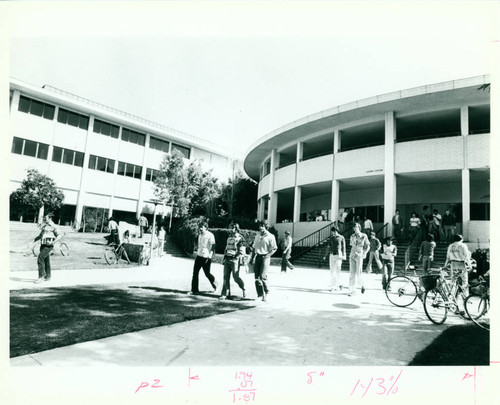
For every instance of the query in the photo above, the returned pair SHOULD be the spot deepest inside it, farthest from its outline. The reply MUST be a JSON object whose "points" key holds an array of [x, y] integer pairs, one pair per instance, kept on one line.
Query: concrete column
{"points": [[273, 208], [300, 151], [80, 201], [335, 200], [143, 184], [336, 141], [464, 120], [260, 209], [296, 203], [465, 203], [273, 197], [389, 176]]}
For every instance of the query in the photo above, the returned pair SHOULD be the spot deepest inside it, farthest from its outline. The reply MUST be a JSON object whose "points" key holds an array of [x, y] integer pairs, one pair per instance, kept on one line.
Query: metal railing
{"points": [[309, 242]]}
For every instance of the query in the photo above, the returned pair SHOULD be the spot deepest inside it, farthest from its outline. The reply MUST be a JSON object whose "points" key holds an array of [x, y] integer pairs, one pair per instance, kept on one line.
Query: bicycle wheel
{"points": [[110, 257], [435, 306], [401, 291], [36, 249], [64, 249], [477, 308]]}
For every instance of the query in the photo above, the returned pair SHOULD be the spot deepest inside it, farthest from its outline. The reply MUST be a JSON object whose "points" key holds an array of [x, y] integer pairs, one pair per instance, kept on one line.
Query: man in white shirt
{"points": [[360, 246], [458, 256], [204, 253], [264, 247]]}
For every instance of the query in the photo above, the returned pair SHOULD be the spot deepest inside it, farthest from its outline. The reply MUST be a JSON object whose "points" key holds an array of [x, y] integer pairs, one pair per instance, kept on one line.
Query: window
{"points": [[152, 174], [37, 108], [480, 211], [102, 164], [133, 137], [30, 148], [129, 170], [183, 149], [67, 156], [72, 118], [105, 128], [159, 144]]}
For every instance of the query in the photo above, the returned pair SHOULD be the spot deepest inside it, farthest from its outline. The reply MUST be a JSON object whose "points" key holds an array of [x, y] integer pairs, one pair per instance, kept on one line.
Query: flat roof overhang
{"points": [[435, 96]]}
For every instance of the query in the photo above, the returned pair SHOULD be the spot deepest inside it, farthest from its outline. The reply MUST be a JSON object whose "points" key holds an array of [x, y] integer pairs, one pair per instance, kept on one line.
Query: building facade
{"points": [[98, 156], [426, 146]]}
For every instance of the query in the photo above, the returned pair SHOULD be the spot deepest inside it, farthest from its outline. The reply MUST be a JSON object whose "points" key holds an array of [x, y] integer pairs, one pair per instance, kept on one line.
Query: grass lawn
{"points": [[56, 317], [460, 345]]}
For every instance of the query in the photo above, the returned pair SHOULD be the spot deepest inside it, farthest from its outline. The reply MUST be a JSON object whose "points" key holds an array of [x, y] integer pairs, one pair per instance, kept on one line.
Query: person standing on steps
{"points": [[336, 252], [231, 262], [264, 246], [204, 254], [359, 249], [389, 251], [287, 252], [374, 254], [426, 253], [397, 225], [48, 236]]}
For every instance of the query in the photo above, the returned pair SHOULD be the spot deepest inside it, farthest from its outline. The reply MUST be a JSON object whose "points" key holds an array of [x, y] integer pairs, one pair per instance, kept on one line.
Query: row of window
{"points": [[30, 148], [64, 116], [67, 156]]}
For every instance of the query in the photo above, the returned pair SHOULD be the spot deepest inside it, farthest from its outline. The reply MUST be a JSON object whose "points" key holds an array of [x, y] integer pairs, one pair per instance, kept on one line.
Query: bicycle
{"points": [[401, 290], [114, 253], [59, 246], [477, 304], [441, 296]]}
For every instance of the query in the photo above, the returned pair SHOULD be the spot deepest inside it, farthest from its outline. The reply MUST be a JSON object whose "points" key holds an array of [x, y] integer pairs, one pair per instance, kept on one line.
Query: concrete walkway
{"points": [[302, 323]]}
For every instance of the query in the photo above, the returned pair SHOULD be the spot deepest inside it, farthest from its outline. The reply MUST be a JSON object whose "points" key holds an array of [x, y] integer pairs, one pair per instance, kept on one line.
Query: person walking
{"points": [[161, 241], [336, 252], [449, 225], [143, 224], [389, 252], [49, 235], [367, 226], [436, 224], [458, 257], [231, 262], [426, 252], [397, 225], [287, 253], [414, 225], [204, 254], [359, 248], [374, 254], [264, 246], [114, 236]]}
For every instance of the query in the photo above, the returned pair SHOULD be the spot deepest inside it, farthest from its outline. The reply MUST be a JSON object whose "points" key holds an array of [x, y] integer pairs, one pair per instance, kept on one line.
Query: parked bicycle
{"points": [[442, 296], [114, 253], [402, 290], [477, 304], [59, 247]]}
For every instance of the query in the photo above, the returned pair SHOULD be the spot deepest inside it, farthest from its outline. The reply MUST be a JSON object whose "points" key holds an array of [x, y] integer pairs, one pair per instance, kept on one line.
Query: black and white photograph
{"points": [[249, 202]]}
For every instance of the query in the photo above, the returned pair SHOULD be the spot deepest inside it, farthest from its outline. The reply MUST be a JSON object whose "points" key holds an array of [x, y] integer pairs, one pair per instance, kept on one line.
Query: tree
{"points": [[206, 189], [37, 192], [188, 189], [240, 196]]}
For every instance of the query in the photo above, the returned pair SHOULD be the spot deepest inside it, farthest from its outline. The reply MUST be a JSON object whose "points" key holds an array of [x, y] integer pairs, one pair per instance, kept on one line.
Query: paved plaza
{"points": [[302, 323]]}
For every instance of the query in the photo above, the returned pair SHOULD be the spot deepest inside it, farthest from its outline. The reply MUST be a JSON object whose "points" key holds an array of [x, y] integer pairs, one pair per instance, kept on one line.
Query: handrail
{"points": [[381, 229], [310, 241]]}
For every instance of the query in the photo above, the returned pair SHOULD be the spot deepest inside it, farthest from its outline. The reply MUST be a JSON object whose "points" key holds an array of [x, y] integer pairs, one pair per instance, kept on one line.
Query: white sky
{"points": [[231, 72]]}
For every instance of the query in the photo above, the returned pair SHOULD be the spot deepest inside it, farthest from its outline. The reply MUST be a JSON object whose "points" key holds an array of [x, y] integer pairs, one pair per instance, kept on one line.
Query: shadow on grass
{"points": [[461, 345], [56, 317]]}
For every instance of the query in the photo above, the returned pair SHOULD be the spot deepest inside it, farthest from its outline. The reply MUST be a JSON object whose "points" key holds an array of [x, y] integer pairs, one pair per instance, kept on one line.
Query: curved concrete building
{"points": [[403, 150]]}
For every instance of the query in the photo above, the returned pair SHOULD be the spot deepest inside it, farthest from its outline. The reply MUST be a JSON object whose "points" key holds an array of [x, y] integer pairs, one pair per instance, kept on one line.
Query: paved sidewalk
{"points": [[302, 323]]}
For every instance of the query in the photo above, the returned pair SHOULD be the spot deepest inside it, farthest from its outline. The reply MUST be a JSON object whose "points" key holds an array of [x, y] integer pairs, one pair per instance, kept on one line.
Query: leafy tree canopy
{"points": [[36, 191]]}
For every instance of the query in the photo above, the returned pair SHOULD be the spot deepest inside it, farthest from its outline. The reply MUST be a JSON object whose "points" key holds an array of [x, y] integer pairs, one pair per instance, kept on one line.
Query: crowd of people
{"points": [[241, 257]]}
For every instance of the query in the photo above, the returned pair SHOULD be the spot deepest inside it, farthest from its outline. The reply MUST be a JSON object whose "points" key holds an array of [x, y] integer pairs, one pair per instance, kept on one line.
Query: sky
{"points": [[232, 72]]}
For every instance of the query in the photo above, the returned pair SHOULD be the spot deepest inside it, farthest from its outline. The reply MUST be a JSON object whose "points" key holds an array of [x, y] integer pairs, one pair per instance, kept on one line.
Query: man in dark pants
{"points": [[204, 253], [264, 247], [48, 236]]}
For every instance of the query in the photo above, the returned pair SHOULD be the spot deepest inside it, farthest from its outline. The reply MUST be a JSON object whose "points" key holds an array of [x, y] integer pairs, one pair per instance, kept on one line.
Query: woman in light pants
{"points": [[359, 248], [337, 252]]}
